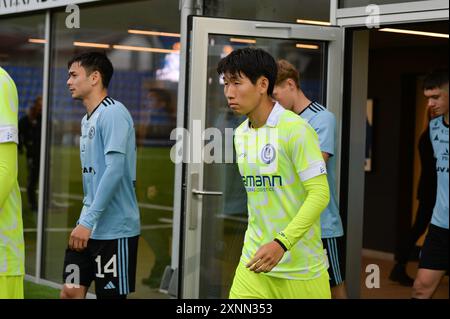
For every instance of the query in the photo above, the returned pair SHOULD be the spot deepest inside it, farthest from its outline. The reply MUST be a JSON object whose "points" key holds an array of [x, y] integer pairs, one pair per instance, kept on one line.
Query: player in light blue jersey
{"points": [[103, 245], [288, 93], [433, 263]]}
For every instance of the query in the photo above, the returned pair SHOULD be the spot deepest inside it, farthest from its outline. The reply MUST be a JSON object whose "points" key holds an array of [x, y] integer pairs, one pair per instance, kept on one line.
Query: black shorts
{"points": [[335, 255], [111, 264], [434, 253]]}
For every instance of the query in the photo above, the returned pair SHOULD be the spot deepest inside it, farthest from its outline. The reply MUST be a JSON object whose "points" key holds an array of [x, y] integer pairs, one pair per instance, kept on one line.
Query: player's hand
{"points": [[79, 238], [266, 258]]}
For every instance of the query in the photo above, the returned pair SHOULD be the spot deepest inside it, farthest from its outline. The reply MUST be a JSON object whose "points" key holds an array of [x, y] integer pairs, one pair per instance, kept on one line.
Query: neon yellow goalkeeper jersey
{"points": [[11, 229], [273, 161]]}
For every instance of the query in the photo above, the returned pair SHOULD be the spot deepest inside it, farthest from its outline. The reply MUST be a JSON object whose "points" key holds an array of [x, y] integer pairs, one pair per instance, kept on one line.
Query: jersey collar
{"points": [[274, 116], [93, 111], [443, 122], [311, 110], [308, 108], [272, 120]]}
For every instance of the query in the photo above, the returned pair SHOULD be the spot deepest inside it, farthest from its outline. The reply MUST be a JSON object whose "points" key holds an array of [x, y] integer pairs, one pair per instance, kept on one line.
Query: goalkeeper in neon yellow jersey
{"points": [[284, 174], [11, 229]]}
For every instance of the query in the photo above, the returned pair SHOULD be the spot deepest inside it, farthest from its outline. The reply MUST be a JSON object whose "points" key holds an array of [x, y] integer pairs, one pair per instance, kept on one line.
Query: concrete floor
{"points": [[393, 290]]}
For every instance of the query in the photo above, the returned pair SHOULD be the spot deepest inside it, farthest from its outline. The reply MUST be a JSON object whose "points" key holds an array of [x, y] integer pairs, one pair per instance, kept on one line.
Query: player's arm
{"points": [[308, 160], [8, 170], [109, 183], [325, 126], [316, 201], [8, 138]]}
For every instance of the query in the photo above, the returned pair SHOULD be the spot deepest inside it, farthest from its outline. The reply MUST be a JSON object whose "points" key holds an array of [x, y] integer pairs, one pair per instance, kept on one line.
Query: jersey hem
{"points": [[115, 236], [282, 275]]}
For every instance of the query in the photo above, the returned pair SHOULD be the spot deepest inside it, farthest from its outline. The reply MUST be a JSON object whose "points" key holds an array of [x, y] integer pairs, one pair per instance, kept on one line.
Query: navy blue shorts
{"points": [[111, 264], [434, 253], [335, 253]]}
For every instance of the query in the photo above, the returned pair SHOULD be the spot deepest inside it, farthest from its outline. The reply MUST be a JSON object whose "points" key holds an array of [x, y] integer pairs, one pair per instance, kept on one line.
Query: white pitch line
{"points": [[165, 220], [79, 198], [239, 219], [60, 230], [158, 207]]}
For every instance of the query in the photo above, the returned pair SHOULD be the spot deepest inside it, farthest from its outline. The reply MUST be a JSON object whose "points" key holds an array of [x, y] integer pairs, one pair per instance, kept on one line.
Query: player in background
{"points": [[433, 261]]}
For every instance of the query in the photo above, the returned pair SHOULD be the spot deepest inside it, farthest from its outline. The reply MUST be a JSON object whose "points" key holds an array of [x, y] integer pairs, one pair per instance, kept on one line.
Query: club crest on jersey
{"points": [[268, 153], [91, 132]]}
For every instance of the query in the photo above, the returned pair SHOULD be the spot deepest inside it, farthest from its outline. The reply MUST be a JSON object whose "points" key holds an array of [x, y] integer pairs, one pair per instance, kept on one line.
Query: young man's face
{"points": [[79, 83], [242, 95], [437, 100], [284, 94]]}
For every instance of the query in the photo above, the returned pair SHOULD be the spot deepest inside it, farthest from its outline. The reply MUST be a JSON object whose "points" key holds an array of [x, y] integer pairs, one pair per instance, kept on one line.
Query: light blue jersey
{"points": [[109, 130], [439, 139], [324, 123]]}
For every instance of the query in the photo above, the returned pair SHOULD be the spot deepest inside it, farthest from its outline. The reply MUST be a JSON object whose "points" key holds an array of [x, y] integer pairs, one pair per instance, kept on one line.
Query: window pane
{"points": [[146, 70], [22, 56], [286, 11], [363, 3]]}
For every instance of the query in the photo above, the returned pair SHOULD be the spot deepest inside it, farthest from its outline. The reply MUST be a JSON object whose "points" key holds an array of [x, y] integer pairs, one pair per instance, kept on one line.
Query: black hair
{"points": [[95, 61], [435, 79], [253, 63]]}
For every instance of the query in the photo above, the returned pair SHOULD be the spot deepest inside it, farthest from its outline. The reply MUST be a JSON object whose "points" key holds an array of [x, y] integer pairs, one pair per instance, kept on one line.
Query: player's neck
{"points": [[93, 100], [258, 117], [446, 118], [301, 102]]}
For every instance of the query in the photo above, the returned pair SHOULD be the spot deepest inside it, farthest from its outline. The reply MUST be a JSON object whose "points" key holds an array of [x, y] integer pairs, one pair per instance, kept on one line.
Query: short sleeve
{"points": [[325, 126], [305, 152], [114, 128], [431, 136], [8, 109]]}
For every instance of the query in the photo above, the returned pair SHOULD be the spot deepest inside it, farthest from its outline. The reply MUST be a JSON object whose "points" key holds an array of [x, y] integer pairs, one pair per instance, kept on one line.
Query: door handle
{"points": [[195, 200], [210, 193]]}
